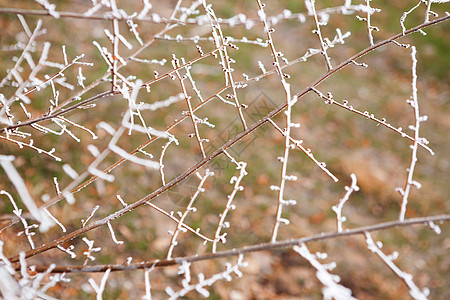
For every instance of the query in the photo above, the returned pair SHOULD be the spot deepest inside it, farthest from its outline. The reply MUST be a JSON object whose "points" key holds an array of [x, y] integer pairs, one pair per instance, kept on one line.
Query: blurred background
{"points": [[346, 142]]}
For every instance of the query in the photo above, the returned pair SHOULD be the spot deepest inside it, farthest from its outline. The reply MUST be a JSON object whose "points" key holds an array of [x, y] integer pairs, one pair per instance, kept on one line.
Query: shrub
{"points": [[164, 149]]}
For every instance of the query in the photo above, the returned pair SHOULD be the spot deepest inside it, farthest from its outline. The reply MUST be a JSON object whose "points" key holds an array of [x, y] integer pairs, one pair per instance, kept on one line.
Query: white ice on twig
{"points": [[38, 214], [332, 289]]}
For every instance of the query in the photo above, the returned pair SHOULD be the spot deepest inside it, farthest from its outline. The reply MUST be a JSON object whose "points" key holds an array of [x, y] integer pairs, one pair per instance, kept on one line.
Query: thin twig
{"points": [[246, 249]]}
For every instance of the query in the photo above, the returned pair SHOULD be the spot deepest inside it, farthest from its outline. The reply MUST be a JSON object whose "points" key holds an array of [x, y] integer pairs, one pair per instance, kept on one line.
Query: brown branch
{"points": [[243, 250]]}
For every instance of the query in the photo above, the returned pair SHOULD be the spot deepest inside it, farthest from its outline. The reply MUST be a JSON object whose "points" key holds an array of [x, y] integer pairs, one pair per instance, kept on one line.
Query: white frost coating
{"points": [[414, 291], [55, 220], [81, 78], [70, 171], [137, 160], [68, 250], [229, 206], [91, 249], [8, 284], [100, 174], [69, 197], [99, 289], [202, 282], [148, 286], [338, 208], [151, 130], [332, 289], [104, 52], [84, 222], [147, 7], [413, 102], [49, 7], [19, 184], [435, 227], [113, 235], [261, 66], [105, 126], [94, 150]]}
